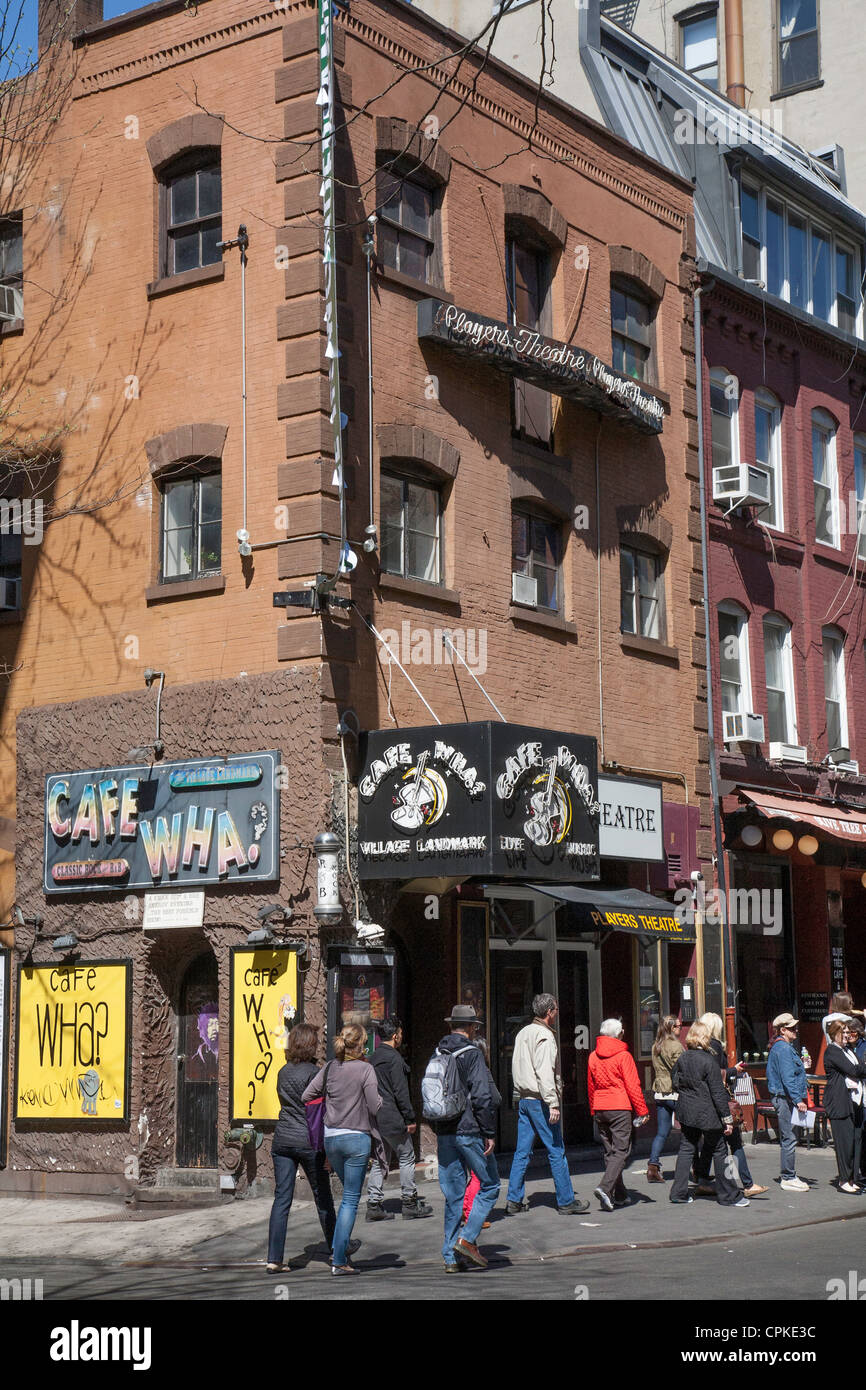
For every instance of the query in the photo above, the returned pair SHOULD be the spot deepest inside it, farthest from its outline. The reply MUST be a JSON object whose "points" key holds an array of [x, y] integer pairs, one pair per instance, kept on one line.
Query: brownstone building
{"points": [[519, 454]]}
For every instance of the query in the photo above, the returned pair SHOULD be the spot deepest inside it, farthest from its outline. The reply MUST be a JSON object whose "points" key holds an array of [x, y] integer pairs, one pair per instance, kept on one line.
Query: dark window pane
{"points": [[417, 208], [412, 256], [618, 314], [775, 248], [186, 251], [211, 544], [388, 245], [11, 247], [750, 211], [821, 299], [210, 494], [209, 194], [799, 60], [796, 260], [210, 236], [526, 286], [519, 536], [183, 207]]}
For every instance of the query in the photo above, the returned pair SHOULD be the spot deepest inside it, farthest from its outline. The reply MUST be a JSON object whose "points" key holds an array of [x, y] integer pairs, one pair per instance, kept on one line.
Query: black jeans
{"points": [[615, 1128], [738, 1153], [847, 1137], [727, 1192], [285, 1172]]}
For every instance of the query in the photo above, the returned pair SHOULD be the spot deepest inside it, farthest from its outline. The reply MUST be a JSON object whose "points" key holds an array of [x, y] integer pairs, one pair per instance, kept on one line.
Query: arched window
{"points": [[779, 674], [826, 478], [734, 659], [835, 699], [536, 558], [642, 587], [191, 206], [768, 454], [724, 415]]}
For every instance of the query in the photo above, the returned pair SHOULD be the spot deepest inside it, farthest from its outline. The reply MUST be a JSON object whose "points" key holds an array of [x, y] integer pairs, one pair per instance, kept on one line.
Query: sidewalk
{"points": [[107, 1231]]}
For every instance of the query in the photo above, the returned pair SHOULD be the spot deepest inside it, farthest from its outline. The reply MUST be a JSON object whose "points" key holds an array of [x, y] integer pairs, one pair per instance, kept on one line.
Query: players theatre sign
{"points": [[458, 800], [172, 825]]}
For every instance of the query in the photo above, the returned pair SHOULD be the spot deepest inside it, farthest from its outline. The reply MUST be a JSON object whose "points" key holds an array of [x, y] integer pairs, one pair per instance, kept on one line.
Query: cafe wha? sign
{"points": [[185, 824]]}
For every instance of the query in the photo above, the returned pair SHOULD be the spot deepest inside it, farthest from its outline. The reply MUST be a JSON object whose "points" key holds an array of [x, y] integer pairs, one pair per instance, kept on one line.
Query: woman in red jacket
{"points": [[614, 1095]]}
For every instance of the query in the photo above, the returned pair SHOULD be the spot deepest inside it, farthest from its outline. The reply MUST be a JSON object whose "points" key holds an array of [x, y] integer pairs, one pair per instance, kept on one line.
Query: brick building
{"points": [[529, 472]]}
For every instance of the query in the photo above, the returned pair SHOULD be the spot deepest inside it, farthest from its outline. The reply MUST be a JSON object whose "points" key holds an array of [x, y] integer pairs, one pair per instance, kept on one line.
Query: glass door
{"points": [[516, 977], [576, 1040]]}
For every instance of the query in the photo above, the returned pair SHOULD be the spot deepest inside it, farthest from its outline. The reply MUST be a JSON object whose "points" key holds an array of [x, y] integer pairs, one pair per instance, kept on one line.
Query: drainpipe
{"points": [[735, 62], [721, 876]]}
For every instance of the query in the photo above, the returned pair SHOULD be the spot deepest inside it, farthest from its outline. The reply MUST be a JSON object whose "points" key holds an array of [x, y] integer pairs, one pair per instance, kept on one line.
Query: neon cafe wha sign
{"points": [[177, 824]]}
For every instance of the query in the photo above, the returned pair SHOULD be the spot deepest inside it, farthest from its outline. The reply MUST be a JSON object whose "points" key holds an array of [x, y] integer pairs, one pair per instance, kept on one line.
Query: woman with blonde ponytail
{"points": [[352, 1101]]}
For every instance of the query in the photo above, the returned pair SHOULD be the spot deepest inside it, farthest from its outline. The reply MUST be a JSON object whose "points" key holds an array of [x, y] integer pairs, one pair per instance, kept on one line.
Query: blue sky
{"points": [[27, 30]]}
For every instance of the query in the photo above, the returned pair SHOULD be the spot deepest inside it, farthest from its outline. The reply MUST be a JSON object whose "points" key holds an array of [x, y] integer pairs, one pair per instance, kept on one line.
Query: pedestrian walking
{"points": [[461, 1101], [396, 1124], [291, 1146], [666, 1050], [615, 1096], [703, 1112], [786, 1083], [538, 1084], [735, 1138], [843, 1103], [352, 1103]]}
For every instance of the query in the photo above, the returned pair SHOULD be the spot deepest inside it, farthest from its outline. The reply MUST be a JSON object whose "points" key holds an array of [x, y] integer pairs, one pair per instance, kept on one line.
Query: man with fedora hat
{"points": [[465, 1144], [786, 1083]]}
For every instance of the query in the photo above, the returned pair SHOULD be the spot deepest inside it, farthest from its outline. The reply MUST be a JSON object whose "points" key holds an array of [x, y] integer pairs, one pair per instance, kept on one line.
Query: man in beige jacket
{"points": [[535, 1073]]}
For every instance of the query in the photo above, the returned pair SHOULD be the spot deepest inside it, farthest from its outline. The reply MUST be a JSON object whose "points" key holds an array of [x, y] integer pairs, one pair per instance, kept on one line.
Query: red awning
{"points": [[843, 824]]}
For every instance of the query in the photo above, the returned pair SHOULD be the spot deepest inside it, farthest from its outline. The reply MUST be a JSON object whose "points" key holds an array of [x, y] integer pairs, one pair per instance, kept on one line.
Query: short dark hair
{"points": [[302, 1043], [390, 1028]]}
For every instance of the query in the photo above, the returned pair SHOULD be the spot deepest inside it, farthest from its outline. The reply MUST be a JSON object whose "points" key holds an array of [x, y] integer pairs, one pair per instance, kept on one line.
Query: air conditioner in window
{"points": [[849, 766], [524, 589], [742, 485], [744, 728], [787, 753], [10, 595], [10, 303]]}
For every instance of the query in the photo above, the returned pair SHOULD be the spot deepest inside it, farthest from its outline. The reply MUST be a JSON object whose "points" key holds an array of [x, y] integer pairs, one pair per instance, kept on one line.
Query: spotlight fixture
{"points": [[67, 942], [807, 844], [262, 936], [751, 835], [783, 839]]}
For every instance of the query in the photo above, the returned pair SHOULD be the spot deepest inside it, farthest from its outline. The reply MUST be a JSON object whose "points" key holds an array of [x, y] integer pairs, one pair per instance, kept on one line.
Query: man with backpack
{"points": [[460, 1102], [396, 1122]]}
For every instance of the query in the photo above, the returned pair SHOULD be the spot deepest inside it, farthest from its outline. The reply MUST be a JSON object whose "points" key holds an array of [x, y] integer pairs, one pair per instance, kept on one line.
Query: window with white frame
{"points": [[825, 476], [642, 609], [724, 408], [768, 454], [734, 659], [860, 486], [836, 705], [411, 519], [11, 267], [779, 674], [799, 259]]}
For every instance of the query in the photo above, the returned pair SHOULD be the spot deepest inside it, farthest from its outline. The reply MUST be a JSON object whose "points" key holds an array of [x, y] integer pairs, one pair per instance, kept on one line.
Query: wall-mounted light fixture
{"points": [[807, 844], [264, 935], [751, 835], [328, 907], [148, 751], [783, 839], [65, 943]]}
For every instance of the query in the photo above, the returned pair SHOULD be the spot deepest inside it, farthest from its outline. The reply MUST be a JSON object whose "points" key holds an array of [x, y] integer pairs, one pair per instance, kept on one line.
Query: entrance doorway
{"points": [[198, 1065], [516, 978]]}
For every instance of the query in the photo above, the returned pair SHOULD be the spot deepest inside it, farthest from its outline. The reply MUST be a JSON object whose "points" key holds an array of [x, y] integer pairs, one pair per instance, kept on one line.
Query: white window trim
{"points": [[836, 243], [720, 376], [860, 492], [821, 420], [735, 610], [765, 400], [778, 621], [837, 635]]}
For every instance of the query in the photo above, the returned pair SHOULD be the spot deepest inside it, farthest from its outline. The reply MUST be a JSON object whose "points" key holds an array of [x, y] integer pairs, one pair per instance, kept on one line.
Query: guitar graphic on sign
{"points": [[545, 819]]}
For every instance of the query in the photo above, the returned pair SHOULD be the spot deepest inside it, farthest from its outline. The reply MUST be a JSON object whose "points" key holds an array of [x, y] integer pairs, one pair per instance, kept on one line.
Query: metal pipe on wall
{"points": [[735, 61]]}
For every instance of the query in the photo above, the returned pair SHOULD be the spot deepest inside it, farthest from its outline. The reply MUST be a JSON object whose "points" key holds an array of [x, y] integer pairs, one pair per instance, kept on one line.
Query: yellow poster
{"points": [[264, 1007], [72, 1057]]}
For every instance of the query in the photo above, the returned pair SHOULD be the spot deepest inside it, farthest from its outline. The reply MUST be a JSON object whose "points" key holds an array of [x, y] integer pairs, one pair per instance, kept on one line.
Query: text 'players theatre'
{"points": [[505, 866]]}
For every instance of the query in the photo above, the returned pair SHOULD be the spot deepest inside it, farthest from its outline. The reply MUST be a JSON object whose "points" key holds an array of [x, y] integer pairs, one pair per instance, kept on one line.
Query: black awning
{"points": [[621, 909]]}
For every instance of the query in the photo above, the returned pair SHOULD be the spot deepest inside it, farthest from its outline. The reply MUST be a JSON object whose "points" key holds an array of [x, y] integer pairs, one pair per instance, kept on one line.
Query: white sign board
{"points": [[630, 820], [173, 910]]}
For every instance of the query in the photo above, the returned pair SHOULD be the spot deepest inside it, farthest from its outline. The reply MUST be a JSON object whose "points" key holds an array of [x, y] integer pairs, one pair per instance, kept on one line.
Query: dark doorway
{"points": [[198, 1065], [515, 979], [575, 1044]]}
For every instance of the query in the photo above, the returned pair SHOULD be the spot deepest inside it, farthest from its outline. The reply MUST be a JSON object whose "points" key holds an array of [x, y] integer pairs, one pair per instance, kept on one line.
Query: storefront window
{"points": [[761, 918], [649, 995]]}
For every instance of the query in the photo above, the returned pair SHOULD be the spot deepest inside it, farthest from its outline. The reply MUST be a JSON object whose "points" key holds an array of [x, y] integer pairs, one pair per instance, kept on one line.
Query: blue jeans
{"points": [[347, 1155], [458, 1156], [533, 1117], [787, 1138], [664, 1123], [285, 1172]]}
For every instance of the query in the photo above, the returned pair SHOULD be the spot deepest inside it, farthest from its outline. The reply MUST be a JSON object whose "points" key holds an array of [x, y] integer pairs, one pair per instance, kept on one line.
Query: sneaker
{"points": [[743, 1202], [755, 1190], [514, 1207], [606, 1203], [575, 1208], [471, 1253], [681, 1201], [376, 1212], [849, 1187], [794, 1185], [414, 1208]]}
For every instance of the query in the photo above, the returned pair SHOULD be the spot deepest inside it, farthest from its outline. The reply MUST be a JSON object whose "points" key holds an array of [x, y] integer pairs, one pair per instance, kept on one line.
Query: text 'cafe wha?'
{"points": [[192, 823]]}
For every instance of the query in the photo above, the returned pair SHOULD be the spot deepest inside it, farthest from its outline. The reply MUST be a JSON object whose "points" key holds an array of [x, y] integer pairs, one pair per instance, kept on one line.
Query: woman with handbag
{"points": [[351, 1104], [667, 1049], [843, 1103], [735, 1138], [292, 1147], [703, 1110]]}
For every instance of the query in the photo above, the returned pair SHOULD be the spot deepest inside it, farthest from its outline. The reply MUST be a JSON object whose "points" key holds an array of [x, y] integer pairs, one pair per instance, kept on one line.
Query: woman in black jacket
{"points": [[843, 1102], [704, 1115], [291, 1145]]}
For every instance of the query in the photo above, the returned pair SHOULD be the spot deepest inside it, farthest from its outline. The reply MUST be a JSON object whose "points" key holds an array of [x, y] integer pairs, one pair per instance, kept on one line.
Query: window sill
{"points": [[408, 282], [520, 445], [809, 86], [10, 327], [12, 618], [202, 275], [649, 646], [419, 588], [185, 588], [537, 617]]}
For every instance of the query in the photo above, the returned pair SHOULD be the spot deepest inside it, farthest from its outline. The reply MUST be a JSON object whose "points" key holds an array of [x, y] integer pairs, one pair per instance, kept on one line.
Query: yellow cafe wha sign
{"points": [[72, 1054], [264, 1008]]}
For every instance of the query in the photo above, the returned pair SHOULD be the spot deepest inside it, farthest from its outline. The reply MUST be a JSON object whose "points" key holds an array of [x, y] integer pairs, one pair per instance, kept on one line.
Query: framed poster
{"points": [[5, 957], [72, 1054], [264, 1006]]}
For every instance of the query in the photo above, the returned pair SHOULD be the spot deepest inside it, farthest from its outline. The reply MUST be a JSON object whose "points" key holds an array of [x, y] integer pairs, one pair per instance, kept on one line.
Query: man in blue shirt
{"points": [[786, 1082]]}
